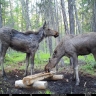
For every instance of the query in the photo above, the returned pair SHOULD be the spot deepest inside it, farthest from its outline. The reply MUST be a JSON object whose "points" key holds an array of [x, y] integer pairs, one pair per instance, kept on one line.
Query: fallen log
{"points": [[57, 77], [36, 85], [28, 80], [20, 84], [40, 85]]}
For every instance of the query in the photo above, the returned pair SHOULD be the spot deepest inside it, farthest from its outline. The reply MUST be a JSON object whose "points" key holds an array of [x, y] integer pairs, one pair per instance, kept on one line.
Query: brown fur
{"points": [[30, 32], [82, 44], [27, 43]]}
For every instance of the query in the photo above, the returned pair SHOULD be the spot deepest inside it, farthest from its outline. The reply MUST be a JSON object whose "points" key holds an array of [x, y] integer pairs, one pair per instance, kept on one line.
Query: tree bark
{"points": [[25, 13], [94, 17], [0, 15], [71, 16], [11, 13], [56, 27], [64, 17], [77, 19]]}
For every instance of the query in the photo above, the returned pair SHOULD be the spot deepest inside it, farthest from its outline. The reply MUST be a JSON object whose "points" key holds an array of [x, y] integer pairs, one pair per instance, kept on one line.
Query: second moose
{"points": [[72, 47]]}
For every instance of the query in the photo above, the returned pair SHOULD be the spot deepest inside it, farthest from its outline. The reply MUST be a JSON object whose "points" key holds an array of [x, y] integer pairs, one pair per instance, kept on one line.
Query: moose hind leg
{"points": [[75, 68]]}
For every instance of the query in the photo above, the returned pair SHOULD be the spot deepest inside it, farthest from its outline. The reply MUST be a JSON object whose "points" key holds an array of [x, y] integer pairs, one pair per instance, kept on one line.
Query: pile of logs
{"points": [[33, 81]]}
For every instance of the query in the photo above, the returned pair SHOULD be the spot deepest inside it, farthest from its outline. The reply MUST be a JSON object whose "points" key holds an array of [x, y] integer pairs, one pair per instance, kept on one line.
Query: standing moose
{"points": [[72, 47], [25, 42]]}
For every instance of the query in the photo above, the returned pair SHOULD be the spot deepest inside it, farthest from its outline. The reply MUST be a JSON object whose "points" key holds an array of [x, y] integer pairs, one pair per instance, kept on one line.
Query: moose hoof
{"points": [[77, 84]]}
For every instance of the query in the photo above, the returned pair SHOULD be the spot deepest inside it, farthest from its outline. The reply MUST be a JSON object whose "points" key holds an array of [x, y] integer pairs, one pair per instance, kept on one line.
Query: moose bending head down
{"points": [[25, 42], [72, 47]]}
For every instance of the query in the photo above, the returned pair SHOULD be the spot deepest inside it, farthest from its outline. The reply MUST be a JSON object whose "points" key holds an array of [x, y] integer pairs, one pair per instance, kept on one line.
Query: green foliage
{"points": [[48, 92], [14, 57], [66, 60], [41, 57], [90, 65]]}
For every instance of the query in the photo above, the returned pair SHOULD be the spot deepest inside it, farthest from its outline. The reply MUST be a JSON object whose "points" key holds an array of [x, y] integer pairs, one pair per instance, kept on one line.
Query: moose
{"points": [[27, 42], [72, 47]]}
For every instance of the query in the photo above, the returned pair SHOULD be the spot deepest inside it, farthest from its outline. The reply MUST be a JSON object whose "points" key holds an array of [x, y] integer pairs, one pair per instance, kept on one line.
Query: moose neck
{"points": [[40, 36]]}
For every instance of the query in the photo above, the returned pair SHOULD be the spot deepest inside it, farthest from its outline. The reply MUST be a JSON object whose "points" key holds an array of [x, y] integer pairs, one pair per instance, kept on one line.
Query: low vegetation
{"points": [[87, 65]]}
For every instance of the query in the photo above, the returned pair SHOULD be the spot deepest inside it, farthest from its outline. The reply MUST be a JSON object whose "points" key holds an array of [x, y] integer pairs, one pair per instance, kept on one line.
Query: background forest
{"points": [[64, 16]]}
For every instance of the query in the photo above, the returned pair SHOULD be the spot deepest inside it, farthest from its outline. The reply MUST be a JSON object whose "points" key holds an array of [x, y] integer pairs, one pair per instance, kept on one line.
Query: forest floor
{"points": [[87, 83]]}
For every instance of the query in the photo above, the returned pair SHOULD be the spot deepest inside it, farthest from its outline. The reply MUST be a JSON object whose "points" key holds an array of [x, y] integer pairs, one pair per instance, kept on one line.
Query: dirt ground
{"points": [[87, 84]]}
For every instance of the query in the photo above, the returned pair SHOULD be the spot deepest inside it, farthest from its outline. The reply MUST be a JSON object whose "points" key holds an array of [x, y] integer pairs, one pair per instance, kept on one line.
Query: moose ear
{"points": [[44, 25]]}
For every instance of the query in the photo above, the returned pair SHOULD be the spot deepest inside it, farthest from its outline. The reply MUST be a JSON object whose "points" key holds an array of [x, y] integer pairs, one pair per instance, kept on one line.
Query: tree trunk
{"points": [[64, 17], [11, 13], [94, 17], [25, 13], [50, 25], [0, 15], [56, 27], [77, 20], [71, 16]]}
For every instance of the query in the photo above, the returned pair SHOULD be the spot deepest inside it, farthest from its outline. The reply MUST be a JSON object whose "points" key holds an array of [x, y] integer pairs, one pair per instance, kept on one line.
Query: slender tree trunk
{"points": [[57, 28], [25, 12], [71, 16], [94, 17], [0, 15], [11, 13], [64, 17], [77, 19], [50, 25], [0, 21]]}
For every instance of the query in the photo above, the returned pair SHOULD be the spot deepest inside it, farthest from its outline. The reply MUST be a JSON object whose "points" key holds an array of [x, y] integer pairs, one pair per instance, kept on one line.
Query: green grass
{"points": [[42, 58], [48, 92], [14, 57], [90, 66]]}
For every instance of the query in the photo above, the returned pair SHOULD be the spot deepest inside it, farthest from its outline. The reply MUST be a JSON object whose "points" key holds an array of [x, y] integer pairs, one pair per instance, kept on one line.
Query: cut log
{"points": [[57, 77], [36, 85], [19, 84], [28, 80], [40, 85]]}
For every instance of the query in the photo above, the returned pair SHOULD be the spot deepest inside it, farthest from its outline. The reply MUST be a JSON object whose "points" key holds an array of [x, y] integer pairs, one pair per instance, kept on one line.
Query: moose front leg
{"points": [[75, 68], [32, 62], [71, 61], [2, 55], [1, 62], [27, 64]]}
